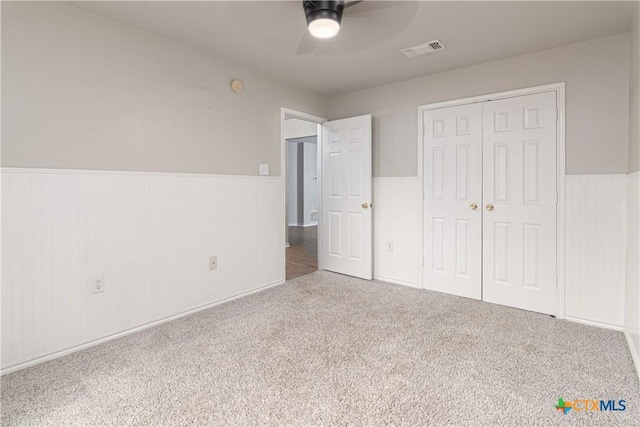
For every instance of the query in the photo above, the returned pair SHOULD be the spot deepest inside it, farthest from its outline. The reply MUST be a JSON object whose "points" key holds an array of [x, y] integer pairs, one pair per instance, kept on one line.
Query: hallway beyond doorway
{"points": [[302, 254]]}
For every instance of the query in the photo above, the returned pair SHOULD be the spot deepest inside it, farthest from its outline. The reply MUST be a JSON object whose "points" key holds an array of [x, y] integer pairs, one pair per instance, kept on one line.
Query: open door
{"points": [[346, 197]]}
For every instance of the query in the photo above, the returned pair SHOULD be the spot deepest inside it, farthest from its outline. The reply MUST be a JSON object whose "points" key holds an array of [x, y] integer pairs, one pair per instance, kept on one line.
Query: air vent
{"points": [[428, 47]]}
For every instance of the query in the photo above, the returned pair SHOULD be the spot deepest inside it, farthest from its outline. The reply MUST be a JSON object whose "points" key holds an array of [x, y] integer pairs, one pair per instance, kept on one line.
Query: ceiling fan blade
{"points": [[307, 44], [370, 6], [352, 3]]}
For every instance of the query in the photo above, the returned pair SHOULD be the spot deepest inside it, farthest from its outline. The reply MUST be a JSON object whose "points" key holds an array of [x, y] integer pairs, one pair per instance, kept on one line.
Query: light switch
{"points": [[264, 169]]}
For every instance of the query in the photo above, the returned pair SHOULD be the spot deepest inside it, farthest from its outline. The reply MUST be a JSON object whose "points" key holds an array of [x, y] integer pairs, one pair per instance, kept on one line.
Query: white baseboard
{"points": [[634, 354], [311, 224], [396, 282], [96, 342], [594, 323]]}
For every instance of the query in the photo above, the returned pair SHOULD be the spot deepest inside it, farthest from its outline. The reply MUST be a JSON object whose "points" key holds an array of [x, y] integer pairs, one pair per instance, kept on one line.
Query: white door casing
{"points": [[346, 197], [286, 113], [520, 198], [453, 200]]}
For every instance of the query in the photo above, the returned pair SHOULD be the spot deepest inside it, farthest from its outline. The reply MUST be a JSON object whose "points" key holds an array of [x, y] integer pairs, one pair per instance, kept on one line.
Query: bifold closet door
{"points": [[452, 200], [520, 198]]}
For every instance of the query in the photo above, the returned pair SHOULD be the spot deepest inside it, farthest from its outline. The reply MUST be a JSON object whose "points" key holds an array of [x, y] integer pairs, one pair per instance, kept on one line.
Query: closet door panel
{"points": [[520, 201], [453, 186]]}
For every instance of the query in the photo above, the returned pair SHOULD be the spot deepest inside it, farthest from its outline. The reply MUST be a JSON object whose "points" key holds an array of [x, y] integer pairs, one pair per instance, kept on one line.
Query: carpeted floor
{"points": [[326, 349]]}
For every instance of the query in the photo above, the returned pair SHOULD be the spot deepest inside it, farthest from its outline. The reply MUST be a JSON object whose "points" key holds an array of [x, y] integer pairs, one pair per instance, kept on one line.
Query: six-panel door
{"points": [[490, 201], [452, 200], [346, 197], [520, 198]]}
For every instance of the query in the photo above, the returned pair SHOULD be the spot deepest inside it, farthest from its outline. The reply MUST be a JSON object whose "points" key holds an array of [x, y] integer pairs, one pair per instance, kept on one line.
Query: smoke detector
{"points": [[432, 46]]}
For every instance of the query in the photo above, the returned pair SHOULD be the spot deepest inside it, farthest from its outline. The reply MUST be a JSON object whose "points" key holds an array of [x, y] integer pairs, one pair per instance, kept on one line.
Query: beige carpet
{"points": [[326, 349]]}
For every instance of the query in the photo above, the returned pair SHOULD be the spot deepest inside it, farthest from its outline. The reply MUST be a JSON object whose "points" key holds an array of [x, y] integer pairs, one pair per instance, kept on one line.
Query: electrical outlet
{"points": [[264, 169], [213, 262], [97, 285], [389, 246]]}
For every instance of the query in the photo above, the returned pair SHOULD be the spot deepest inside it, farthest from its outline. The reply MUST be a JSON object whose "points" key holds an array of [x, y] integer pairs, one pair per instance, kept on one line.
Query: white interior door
{"points": [[520, 198], [346, 197], [452, 200]]}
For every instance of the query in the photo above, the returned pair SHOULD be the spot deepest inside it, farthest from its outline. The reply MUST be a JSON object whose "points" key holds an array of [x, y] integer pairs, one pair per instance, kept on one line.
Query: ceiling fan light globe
{"points": [[324, 28]]}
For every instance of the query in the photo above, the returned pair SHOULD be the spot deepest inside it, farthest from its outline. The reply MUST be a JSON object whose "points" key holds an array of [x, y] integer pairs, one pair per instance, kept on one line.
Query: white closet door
{"points": [[452, 200], [346, 197], [519, 189]]}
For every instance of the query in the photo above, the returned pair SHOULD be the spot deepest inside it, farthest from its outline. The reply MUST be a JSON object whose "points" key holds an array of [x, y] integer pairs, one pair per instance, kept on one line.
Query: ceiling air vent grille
{"points": [[428, 47]]}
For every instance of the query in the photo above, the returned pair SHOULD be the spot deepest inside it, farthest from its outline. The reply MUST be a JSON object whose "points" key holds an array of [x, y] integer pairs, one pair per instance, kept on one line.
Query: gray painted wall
{"points": [[310, 171], [83, 92], [302, 186], [597, 84], [292, 183]]}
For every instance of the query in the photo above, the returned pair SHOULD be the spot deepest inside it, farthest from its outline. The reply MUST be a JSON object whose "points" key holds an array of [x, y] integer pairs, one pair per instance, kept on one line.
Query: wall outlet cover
{"points": [[264, 169], [97, 285], [213, 262]]}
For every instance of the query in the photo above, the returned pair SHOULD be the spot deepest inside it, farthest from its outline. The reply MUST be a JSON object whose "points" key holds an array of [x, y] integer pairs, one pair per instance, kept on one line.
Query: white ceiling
{"points": [[265, 35]]}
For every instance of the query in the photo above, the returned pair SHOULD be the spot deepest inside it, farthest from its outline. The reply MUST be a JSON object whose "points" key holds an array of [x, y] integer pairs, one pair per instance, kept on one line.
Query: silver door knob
{"points": [[473, 206], [365, 205], [489, 207]]}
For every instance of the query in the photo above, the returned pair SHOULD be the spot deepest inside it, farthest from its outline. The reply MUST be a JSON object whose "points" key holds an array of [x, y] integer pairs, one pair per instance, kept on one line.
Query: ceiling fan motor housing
{"points": [[323, 10]]}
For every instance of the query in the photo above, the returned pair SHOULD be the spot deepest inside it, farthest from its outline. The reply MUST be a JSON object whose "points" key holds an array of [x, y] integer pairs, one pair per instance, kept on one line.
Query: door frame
{"points": [[287, 113], [559, 89]]}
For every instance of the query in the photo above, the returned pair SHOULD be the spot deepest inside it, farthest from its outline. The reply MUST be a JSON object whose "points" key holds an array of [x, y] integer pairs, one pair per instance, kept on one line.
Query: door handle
{"points": [[365, 205], [473, 206], [489, 207]]}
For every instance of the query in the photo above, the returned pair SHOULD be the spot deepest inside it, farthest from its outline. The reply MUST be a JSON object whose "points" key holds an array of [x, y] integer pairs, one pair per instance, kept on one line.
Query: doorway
{"points": [[301, 133], [342, 185], [302, 197]]}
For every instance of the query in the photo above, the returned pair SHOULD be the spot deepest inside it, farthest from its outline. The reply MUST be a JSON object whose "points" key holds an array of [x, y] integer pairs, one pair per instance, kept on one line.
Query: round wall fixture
{"points": [[237, 86]]}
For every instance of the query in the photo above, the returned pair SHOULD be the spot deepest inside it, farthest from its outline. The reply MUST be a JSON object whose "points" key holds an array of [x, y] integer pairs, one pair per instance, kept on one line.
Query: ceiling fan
{"points": [[324, 19]]}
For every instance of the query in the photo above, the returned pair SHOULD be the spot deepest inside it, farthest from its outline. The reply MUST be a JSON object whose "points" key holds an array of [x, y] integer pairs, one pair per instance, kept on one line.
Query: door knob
{"points": [[473, 206], [365, 205], [489, 207]]}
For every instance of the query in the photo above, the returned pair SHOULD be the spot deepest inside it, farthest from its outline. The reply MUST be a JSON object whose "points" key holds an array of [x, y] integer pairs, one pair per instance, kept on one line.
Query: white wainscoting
{"points": [[632, 295], [148, 235], [595, 246], [596, 249], [396, 220]]}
